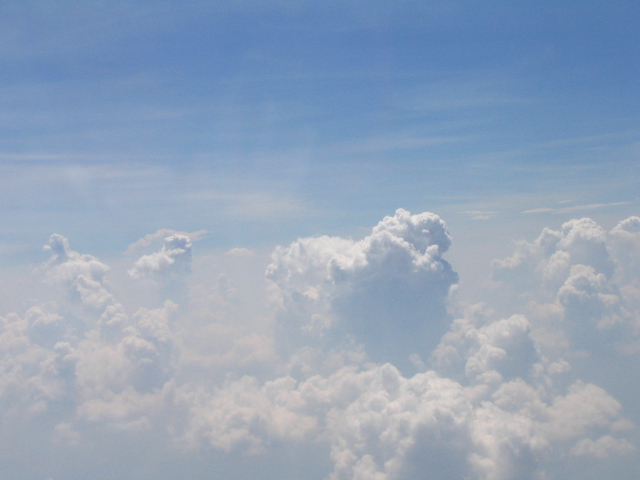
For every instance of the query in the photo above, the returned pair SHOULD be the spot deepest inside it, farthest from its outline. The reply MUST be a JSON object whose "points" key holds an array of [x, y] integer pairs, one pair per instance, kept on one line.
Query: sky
{"points": [[303, 240]]}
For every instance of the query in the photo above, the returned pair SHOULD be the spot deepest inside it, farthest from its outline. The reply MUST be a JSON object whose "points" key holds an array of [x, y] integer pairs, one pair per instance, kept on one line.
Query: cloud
{"points": [[580, 282], [80, 275], [325, 373], [604, 447], [388, 290], [538, 210], [544, 264], [174, 259], [487, 351], [624, 243], [575, 208], [589, 300], [481, 214], [162, 234]]}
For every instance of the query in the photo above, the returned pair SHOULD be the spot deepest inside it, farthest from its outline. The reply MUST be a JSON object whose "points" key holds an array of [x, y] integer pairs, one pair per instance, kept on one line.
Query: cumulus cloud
{"points": [[487, 350], [172, 260], [326, 372], [545, 262], [388, 290], [624, 242], [580, 282], [80, 275], [161, 234], [604, 447]]}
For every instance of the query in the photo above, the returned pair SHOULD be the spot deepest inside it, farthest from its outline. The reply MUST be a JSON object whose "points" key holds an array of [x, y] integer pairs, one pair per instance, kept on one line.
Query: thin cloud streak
{"points": [[576, 208]]}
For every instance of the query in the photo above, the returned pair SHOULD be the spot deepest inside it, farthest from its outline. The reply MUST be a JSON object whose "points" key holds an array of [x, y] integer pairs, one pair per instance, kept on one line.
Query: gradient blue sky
{"points": [[262, 121]]}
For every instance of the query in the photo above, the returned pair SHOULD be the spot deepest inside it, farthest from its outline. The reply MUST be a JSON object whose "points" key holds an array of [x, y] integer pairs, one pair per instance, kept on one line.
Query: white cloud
{"points": [[624, 243], [389, 290], [575, 208], [160, 235], [81, 275], [604, 447], [174, 259], [538, 210], [580, 283], [327, 371], [481, 214]]}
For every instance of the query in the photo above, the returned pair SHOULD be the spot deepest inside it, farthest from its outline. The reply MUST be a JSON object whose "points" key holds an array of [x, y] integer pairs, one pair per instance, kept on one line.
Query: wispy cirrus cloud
{"points": [[481, 214], [575, 208]]}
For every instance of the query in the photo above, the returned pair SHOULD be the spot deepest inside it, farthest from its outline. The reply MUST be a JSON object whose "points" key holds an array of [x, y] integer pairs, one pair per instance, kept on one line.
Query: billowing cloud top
{"points": [[580, 283], [81, 275], [388, 290], [173, 259], [325, 377]]}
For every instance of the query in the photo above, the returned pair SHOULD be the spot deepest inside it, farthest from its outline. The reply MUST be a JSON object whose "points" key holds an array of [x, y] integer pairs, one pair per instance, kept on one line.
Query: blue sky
{"points": [[254, 128], [150, 116]]}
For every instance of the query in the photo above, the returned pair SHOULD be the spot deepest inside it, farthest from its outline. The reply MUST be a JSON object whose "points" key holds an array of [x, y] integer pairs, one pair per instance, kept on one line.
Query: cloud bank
{"points": [[351, 362]]}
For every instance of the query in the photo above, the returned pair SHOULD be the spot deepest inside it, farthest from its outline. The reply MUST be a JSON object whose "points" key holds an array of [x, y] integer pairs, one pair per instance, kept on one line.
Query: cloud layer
{"points": [[351, 361]]}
